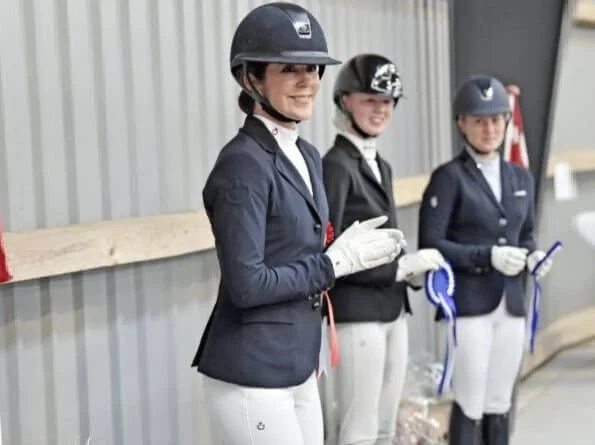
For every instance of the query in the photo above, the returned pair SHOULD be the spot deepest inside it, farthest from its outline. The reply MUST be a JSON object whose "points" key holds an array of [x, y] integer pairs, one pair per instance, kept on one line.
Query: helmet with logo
{"points": [[282, 33], [368, 73], [481, 96], [277, 33]]}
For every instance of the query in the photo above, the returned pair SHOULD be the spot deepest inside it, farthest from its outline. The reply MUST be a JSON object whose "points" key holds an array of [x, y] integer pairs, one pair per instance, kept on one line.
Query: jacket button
{"points": [[478, 270], [316, 305], [317, 227], [502, 240], [310, 297], [502, 222]]}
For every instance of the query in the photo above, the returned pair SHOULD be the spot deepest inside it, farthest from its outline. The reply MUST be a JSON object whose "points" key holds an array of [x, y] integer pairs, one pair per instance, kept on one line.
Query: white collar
{"points": [[367, 147], [482, 160], [282, 135]]}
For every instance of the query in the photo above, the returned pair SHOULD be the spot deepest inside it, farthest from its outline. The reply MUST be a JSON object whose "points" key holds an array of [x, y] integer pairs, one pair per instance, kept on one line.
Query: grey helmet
{"points": [[481, 96], [277, 33]]}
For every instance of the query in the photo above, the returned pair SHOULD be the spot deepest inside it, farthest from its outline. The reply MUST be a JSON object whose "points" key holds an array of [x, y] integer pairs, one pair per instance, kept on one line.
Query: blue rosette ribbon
{"points": [[440, 287], [533, 322]]}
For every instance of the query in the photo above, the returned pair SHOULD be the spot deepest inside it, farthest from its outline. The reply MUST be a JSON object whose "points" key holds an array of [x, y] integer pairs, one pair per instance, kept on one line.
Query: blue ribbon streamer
{"points": [[533, 322], [443, 299]]}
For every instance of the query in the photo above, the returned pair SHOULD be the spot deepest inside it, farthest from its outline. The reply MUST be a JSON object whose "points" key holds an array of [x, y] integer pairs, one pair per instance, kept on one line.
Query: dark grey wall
{"points": [[516, 41]]}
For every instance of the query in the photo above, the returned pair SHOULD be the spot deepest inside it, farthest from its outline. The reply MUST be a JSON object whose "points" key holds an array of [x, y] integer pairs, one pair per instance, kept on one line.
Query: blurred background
{"points": [[112, 113]]}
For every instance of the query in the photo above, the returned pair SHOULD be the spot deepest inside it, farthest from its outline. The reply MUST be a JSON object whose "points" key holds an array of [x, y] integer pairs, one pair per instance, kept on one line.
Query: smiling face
{"points": [[484, 133], [290, 89], [371, 112]]}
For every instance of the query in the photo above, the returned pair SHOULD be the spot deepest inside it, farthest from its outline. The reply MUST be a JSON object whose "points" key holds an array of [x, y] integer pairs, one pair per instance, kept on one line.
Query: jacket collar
{"points": [[473, 168], [257, 130], [349, 147]]}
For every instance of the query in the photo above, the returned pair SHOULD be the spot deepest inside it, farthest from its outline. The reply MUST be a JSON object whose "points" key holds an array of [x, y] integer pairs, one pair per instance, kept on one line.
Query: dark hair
{"points": [[257, 69]]}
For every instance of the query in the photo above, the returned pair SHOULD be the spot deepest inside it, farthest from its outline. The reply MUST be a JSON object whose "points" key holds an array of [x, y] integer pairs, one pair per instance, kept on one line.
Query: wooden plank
{"points": [[408, 190], [580, 161], [569, 330], [584, 13], [61, 250], [563, 333]]}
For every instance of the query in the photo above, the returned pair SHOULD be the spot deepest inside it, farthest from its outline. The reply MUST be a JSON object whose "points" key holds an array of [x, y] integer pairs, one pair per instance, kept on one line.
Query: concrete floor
{"points": [[557, 403]]}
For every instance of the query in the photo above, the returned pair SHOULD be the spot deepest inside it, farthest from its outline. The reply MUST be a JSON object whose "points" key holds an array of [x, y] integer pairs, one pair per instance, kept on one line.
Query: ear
{"points": [[460, 122], [346, 101], [253, 84]]}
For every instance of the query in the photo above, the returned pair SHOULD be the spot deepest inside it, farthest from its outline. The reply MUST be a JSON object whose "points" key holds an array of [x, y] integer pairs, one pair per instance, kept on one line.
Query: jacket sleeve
{"points": [[436, 212], [526, 237], [236, 200]]}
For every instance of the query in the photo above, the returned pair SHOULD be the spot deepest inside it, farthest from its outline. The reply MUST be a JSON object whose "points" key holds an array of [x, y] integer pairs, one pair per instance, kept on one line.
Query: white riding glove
{"points": [[508, 259], [414, 264], [535, 258], [363, 246]]}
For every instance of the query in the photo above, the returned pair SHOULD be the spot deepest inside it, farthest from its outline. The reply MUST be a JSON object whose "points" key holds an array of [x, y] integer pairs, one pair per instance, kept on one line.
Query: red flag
{"points": [[515, 146], [4, 272]]}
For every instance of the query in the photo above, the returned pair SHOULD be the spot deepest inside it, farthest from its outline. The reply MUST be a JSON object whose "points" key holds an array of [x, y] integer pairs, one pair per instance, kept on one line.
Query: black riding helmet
{"points": [[277, 33], [367, 73]]}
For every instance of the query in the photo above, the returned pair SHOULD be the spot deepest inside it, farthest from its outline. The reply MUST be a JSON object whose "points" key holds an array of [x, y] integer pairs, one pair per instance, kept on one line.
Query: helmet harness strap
{"points": [[263, 101], [356, 127]]}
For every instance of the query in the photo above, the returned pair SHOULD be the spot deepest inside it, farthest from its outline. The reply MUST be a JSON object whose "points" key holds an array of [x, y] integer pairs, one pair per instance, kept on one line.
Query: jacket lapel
{"points": [[257, 130], [316, 179], [471, 167], [291, 175], [387, 185], [365, 169]]}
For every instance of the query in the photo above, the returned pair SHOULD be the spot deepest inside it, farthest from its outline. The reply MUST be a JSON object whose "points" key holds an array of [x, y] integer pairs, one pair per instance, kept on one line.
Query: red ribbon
{"points": [[329, 237]]}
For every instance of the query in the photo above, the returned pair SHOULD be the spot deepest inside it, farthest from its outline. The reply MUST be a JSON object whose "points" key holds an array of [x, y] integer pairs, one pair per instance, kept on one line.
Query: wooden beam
{"points": [[580, 161], [569, 330], [408, 190], [61, 250], [584, 13], [563, 333]]}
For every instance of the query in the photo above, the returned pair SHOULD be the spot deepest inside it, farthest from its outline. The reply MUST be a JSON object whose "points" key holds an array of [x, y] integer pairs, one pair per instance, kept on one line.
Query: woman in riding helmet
{"points": [[478, 211], [267, 207], [370, 307]]}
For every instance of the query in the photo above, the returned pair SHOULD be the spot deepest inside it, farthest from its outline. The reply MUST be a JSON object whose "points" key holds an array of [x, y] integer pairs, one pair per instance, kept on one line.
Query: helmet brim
{"points": [[488, 112], [341, 93], [295, 57]]}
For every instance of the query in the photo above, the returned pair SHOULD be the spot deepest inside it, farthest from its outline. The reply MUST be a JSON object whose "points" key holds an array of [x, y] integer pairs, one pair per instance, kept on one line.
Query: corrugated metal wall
{"points": [[117, 108]]}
